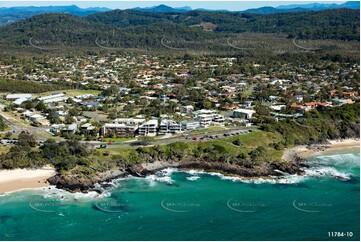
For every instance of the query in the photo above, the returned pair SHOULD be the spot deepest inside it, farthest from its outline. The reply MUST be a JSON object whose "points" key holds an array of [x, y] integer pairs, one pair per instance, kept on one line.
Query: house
{"points": [[313, 105], [69, 129], [247, 104], [297, 106], [187, 108], [55, 128], [168, 126], [149, 128], [277, 107], [19, 101], [273, 98], [60, 97], [87, 129], [240, 112], [18, 95], [349, 94], [299, 98], [19, 98]]}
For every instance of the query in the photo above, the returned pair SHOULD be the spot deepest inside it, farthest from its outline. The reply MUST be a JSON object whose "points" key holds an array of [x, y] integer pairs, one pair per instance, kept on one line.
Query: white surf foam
{"points": [[327, 171], [193, 178]]}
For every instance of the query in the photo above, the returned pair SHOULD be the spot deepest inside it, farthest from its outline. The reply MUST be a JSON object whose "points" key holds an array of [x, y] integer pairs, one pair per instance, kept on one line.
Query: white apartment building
{"points": [[129, 121], [206, 120], [149, 128], [168, 126]]}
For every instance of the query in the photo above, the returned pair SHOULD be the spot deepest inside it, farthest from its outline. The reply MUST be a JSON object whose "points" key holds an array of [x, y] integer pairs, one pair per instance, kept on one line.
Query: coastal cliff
{"points": [[85, 184]]}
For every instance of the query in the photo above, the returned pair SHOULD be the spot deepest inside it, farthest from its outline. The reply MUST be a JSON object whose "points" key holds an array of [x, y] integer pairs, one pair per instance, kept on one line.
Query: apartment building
{"points": [[149, 128], [206, 120], [168, 126], [119, 130]]}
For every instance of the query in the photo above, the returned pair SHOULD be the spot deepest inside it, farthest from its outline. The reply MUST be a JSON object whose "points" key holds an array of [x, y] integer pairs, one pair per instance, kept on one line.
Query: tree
{"points": [[53, 118], [3, 124], [41, 106], [145, 140], [26, 139], [69, 119]]}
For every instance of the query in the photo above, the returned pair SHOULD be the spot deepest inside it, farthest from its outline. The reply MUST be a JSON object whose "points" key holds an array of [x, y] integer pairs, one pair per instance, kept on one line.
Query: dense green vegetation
{"points": [[3, 124], [329, 24], [28, 86], [319, 125], [135, 29]]}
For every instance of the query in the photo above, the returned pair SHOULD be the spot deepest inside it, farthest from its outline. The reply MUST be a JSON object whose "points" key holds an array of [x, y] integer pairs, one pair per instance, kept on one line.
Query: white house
{"points": [[241, 111]]}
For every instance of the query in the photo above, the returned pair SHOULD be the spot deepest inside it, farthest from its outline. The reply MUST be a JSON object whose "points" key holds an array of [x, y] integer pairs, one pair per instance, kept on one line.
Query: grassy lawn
{"points": [[73, 92], [210, 129], [14, 117], [248, 142], [255, 138], [4, 148]]}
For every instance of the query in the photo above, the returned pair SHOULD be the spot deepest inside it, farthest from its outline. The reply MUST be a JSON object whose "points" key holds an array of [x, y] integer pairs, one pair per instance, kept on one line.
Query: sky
{"points": [[208, 4]]}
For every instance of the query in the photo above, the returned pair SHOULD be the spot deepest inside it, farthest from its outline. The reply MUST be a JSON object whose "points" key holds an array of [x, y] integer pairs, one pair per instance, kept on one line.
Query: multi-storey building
{"points": [[168, 126], [149, 128]]}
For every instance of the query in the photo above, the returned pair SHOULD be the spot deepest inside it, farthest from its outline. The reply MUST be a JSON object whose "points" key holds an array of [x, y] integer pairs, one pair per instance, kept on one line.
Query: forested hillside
{"points": [[132, 29], [328, 24]]}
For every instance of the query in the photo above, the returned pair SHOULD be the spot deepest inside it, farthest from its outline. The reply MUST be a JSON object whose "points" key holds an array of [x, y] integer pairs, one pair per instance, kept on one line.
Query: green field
{"points": [[73, 92], [210, 129]]}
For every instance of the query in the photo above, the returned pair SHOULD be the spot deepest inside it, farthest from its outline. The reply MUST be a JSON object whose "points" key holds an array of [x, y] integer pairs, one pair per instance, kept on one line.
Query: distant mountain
{"points": [[272, 10], [164, 9], [327, 24], [322, 6], [56, 30], [133, 29], [303, 7], [12, 14], [262, 10]]}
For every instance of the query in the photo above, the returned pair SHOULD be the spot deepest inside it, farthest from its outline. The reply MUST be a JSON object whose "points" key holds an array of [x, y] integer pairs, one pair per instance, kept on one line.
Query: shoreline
{"points": [[304, 152], [24, 179]]}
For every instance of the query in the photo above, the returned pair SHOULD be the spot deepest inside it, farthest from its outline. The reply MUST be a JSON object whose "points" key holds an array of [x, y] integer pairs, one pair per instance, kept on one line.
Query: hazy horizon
{"points": [[227, 5]]}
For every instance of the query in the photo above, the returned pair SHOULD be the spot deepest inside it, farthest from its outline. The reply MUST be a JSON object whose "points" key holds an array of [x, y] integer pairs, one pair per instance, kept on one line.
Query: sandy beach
{"points": [[17, 179], [303, 151]]}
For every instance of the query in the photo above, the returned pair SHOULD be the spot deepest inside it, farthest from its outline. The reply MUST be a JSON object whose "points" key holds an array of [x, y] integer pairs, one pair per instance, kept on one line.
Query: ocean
{"points": [[176, 205]]}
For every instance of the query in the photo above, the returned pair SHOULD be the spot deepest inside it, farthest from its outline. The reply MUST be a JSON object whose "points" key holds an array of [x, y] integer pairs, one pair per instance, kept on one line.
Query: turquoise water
{"points": [[174, 205]]}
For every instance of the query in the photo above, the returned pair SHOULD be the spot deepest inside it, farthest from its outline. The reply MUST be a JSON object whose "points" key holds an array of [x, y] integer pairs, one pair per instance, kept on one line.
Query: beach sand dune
{"points": [[17, 179], [303, 152]]}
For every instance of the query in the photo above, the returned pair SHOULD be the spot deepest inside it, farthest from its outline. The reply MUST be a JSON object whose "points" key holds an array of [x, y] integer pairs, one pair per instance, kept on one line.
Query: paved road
{"points": [[18, 128], [183, 137]]}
